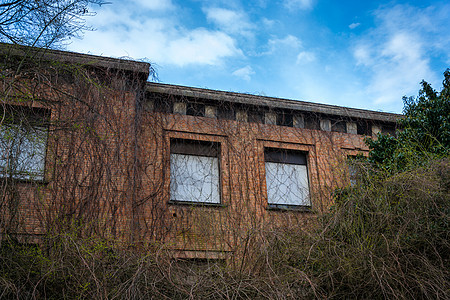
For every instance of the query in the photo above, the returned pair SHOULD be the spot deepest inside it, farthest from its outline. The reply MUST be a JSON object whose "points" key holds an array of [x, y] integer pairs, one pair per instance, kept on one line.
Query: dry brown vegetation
{"points": [[387, 239]]}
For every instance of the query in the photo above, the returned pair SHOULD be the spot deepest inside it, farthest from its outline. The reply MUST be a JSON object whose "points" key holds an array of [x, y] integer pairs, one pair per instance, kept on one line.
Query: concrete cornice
{"points": [[272, 102], [75, 58]]}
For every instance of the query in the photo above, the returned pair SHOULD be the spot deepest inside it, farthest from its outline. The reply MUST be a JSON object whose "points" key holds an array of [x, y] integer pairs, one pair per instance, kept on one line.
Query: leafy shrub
{"points": [[424, 134]]}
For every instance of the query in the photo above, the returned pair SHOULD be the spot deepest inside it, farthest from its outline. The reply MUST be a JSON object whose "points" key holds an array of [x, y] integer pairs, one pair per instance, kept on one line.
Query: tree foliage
{"points": [[425, 130], [427, 122], [43, 23]]}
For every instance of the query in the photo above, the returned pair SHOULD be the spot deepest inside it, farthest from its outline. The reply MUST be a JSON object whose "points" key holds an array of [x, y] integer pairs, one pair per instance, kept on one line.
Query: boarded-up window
{"points": [[23, 141], [286, 178], [194, 171]]}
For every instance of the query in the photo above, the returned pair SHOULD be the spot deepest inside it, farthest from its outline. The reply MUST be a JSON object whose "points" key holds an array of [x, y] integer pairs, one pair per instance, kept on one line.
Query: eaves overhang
{"points": [[75, 58], [271, 102]]}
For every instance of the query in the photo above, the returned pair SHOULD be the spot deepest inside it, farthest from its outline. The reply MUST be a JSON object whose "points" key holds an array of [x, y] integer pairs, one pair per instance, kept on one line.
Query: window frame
{"points": [[293, 157], [352, 157], [31, 126], [196, 148]]}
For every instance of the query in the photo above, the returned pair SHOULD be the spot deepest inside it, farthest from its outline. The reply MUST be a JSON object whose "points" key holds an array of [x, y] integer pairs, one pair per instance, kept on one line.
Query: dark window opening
{"points": [[284, 156], [24, 115], [195, 109], [194, 147], [388, 129], [364, 128], [338, 126], [285, 119], [226, 112], [161, 102], [312, 122], [255, 116]]}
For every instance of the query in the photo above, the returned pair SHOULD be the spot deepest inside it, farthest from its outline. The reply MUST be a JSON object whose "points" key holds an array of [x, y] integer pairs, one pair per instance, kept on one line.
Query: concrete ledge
{"points": [[75, 58], [271, 102]]}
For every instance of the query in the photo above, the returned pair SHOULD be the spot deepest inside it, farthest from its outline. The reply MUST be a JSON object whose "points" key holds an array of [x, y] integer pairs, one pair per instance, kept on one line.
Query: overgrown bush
{"points": [[387, 237], [76, 268]]}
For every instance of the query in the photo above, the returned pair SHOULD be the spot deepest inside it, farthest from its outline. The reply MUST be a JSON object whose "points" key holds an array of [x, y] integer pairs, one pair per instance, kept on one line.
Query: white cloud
{"points": [[288, 42], [161, 40], [353, 25], [403, 46], [244, 73], [155, 4], [230, 21], [201, 47], [397, 52], [299, 4], [305, 57], [403, 64], [268, 22], [362, 54]]}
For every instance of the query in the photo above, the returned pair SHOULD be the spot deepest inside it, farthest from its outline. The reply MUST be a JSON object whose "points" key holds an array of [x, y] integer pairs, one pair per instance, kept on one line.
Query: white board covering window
{"points": [[194, 171], [286, 178], [23, 141]]}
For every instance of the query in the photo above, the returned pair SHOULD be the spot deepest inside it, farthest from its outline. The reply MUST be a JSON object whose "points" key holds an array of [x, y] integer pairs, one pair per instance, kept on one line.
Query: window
{"points": [[352, 172], [312, 122], [338, 126], [195, 109], [23, 140], [354, 163], [286, 178], [226, 111], [363, 127], [194, 171], [285, 119], [389, 129], [255, 115]]}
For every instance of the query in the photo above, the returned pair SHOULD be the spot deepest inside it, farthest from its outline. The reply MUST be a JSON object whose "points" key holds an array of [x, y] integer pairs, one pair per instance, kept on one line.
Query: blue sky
{"points": [[364, 54]]}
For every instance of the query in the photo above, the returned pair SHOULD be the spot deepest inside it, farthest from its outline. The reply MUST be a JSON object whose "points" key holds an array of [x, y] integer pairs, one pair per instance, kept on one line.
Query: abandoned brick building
{"points": [[88, 143]]}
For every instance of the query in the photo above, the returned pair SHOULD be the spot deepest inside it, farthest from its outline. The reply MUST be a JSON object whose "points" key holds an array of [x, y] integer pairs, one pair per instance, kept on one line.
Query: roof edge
{"points": [[272, 102], [76, 58]]}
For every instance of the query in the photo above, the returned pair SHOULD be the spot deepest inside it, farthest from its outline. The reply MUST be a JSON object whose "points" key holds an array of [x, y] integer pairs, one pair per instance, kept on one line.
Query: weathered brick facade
{"points": [[108, 157]]}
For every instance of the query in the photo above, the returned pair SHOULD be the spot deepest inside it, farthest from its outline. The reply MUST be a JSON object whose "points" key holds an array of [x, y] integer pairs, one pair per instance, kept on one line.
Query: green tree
{"points": [[424, 134]]}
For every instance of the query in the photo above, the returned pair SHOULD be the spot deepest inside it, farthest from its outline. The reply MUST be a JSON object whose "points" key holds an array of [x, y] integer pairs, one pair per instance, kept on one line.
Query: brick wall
{"points": [[198, 229], [107, 169]]}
